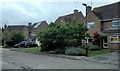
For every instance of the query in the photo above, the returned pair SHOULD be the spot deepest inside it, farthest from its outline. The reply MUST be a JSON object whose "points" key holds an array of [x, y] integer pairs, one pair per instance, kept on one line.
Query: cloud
{"points": [[24, 11]]}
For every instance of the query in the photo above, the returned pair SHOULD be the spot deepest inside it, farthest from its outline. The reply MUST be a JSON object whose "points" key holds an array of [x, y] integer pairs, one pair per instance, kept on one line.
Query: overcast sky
{"points": [[18, 12]]}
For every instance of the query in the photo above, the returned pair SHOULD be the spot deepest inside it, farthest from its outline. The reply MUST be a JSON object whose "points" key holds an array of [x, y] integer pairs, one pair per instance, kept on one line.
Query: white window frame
{"points": [[113, 25], [114, 37], [90, 23]]}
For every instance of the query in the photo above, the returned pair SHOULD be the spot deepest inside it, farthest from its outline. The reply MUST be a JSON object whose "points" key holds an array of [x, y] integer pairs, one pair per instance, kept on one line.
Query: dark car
{"points": [[30, 44], [27, 43], [21, 44]]}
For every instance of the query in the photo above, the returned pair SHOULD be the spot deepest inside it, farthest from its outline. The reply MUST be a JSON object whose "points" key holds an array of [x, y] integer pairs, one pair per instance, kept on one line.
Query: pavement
{"points": [[110, 58], [12, 59]]}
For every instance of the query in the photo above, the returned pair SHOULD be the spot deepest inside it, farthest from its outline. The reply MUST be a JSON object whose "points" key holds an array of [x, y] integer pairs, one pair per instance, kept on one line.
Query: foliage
{"points": [[17, 37], [96, 39], [6, 35], [60, 36], [10, 43], [12, 37], [75, 51], [94, 47]]}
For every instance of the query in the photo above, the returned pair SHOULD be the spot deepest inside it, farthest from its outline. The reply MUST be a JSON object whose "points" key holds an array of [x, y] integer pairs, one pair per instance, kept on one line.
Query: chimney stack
{"points": [[88, 9], [75, 11], [5, 26], [29, 24]]}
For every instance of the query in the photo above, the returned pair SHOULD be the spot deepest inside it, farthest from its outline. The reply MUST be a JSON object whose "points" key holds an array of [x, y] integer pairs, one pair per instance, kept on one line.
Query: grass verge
{"points": [[98, 52], [32, 49]]}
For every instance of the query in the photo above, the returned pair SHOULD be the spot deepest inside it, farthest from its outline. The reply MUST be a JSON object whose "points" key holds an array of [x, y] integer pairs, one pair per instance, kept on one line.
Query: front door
{"points": [[105, 42]]}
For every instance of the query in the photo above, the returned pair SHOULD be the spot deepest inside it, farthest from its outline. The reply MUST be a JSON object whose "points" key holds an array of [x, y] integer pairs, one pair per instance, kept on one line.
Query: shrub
{"points": [[60, 51], [10, 43], [17, 37], [94, 47], [74, 51], [61, 36]]}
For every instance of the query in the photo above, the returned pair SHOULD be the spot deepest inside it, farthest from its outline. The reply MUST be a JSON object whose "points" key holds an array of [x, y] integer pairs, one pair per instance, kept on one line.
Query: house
{"points": [[20, 28], [37, 28], [30, 32], [73, 18], [105, 21]]}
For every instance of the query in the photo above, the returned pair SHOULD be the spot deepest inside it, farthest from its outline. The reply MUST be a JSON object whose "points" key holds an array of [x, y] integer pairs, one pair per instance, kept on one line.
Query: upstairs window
{"points": [[90, 25], [116, 23]]}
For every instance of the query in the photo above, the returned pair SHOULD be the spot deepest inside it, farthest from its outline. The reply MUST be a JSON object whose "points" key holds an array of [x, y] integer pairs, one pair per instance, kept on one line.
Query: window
{"points": [[116, 23], [115, 39], [90, 25]]}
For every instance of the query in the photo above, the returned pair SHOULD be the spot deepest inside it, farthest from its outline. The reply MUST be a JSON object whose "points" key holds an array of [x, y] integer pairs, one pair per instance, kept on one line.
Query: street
{"points": [[22, 60]]}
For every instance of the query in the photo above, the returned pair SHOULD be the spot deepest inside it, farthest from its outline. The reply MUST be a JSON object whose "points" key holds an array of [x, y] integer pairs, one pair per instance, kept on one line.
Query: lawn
{"points": [[98, 52], [32, 49], [90, 53]]}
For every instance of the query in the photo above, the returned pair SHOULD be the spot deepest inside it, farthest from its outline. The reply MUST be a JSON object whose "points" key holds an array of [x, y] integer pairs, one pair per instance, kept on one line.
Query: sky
{"points": [[20, 12]]}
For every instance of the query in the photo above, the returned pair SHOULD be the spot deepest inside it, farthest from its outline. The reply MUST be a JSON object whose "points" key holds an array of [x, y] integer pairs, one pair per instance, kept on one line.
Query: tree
{"points": [[96, 39], [17, 37], [61, 36], [6, 36]]}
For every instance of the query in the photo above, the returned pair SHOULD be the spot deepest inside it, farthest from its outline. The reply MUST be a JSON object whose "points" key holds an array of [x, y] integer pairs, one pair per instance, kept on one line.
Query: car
{"points": [[27, 43], [30, 44], [21, 44]]}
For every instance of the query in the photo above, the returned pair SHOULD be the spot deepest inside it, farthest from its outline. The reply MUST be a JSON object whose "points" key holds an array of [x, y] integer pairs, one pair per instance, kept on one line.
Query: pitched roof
{"points": [[69, 17], [35, 25], [108, 11], [16, 27]]}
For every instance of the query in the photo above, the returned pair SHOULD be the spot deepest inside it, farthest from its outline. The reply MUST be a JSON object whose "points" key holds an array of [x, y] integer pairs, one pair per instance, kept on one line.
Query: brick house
{"points": [[105, 20], [20, 28], [37, 28], [73, 18], [29, 32]]}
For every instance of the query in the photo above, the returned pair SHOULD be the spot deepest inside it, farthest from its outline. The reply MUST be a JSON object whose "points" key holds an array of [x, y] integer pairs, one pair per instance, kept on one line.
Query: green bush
{"points": [[61, 36], [94, 47], [75, 51], [17, 37], [10, 43], [59, 51]]}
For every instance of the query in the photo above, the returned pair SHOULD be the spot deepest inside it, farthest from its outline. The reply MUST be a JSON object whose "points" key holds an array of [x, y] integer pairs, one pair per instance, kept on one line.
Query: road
{"points": [[22, 60]]}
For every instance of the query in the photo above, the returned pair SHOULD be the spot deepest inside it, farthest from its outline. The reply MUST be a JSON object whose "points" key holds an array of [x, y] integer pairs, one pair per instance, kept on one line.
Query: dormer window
{"points": [[90, 25], [116, 23]]}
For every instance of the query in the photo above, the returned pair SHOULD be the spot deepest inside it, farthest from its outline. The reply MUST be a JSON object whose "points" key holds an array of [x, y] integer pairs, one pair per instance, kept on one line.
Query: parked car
{"points": [[30, 44], [21, 44], [25, 44]]}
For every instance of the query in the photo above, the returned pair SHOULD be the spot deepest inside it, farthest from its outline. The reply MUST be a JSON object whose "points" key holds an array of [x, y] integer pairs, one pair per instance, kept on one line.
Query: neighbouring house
{"points": [[73, 18], [30, 31], [105, 21], [20, 28], [37, 28]]}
